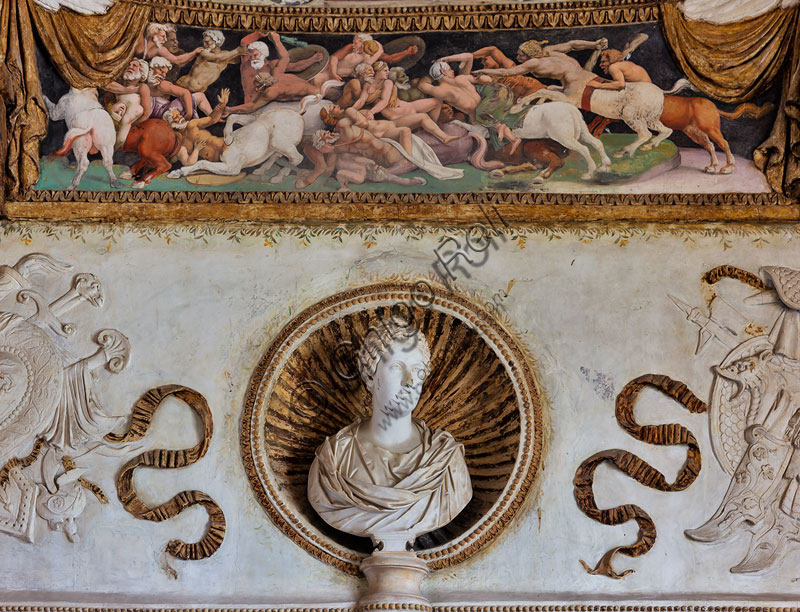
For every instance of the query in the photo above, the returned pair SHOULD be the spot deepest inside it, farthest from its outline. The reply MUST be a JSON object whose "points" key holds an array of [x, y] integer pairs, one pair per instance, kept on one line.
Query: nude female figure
{"points": [[381, 93], [382, 129]]}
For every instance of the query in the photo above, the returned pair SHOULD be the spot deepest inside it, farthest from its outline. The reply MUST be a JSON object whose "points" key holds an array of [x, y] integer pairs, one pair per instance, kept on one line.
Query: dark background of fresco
{"points": [[744, 135]]}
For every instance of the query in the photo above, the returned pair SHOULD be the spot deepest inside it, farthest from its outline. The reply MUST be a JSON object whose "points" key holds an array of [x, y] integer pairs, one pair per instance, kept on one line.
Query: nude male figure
{"points": [[457, 90], [198, 142], [256, 62], [363, 50], [492, 57], [460, 91], [153, 43], [158, 93], [382, 129], [613, 63], [278, 85], [381, 94], [210, 62], [358, 156], [553, 62], [362, 74], [126, 90]]}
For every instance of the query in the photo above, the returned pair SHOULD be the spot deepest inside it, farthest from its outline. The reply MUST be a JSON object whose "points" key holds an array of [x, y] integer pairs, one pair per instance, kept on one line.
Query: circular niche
{"points": [[480, 389]]}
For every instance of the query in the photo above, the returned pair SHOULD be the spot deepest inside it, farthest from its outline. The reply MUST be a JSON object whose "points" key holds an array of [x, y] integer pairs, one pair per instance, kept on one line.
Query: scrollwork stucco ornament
{"points": [[49, 408]]}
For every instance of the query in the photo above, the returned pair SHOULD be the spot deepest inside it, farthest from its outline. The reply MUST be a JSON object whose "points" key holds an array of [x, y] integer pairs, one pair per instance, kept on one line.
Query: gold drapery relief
{"points": [[88, 51], [736, 61]]}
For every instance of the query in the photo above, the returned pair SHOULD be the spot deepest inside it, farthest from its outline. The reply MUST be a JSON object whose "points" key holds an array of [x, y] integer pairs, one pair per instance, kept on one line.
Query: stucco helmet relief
{"points": [[49, 407], [755, 427]]}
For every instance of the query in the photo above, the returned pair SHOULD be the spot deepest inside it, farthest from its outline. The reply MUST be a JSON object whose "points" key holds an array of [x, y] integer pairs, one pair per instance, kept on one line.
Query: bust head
{"points": [[393, 362]]}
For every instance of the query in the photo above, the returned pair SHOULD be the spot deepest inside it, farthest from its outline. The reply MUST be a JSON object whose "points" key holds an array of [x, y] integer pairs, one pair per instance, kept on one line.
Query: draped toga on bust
{"points": [[364, 489]]}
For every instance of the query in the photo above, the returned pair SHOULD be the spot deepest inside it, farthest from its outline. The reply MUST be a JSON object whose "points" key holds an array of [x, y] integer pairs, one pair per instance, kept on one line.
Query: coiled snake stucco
{"points": [[142, 415], [638, 469], [661, 435]]}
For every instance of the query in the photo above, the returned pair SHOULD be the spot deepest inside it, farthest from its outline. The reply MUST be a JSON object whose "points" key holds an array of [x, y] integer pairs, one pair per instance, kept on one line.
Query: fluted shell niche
{"points": [[480, 389]]}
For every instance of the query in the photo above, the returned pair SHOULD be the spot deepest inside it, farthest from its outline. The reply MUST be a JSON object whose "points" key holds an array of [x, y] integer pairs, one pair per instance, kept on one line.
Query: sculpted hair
{"points": [[360, 69], [323, 137], [160, 62], [144, 69], [612, 55], [533, 48], [173, 117], [259, 46], [371, 47], [363, 37], [327, 116], [397, 72], [110, 108], [215, 35], [400, 78], [379, 340], [153, 28]]}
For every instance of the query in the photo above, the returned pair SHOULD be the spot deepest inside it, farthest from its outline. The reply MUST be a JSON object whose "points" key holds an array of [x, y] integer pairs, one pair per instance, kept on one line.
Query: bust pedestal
{"points": [[393, 579], [391, 477]]}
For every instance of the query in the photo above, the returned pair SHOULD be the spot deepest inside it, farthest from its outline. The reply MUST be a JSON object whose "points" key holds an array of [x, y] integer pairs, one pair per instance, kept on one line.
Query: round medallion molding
{"points": [[482, 389]]}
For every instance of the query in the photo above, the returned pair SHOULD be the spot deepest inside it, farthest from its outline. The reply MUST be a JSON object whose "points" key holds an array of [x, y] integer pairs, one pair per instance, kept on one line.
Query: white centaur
{"points": [[639, 105], [89, 128], [265, 137], [562, 122]]}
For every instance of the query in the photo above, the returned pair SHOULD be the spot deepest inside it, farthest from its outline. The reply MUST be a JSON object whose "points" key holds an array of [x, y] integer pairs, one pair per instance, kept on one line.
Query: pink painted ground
{"points": [[687, 178]]}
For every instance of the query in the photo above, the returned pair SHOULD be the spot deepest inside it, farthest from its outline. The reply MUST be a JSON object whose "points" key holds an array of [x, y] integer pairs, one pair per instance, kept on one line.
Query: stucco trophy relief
{"points": [[754, 419], [755, 424], [50, 413], [389, 476]]}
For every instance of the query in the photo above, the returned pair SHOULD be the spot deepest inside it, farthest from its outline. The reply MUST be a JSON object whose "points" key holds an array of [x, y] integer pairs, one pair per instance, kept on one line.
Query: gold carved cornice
{"points": [[342, 19], [457, 208], [589, 607]]}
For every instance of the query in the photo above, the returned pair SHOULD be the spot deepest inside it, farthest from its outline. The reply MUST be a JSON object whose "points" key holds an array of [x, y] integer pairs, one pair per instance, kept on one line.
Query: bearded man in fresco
{"points": [[552, 62]]}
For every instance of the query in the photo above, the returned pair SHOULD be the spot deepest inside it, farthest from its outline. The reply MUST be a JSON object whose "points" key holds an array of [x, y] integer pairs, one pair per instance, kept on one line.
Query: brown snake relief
{"points": [[638, 469], [727, 271], [659, 435], [142, 416]]}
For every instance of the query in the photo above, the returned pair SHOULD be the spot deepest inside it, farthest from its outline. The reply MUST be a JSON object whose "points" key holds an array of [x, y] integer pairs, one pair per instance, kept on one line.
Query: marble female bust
{"points": [[389, 476]]}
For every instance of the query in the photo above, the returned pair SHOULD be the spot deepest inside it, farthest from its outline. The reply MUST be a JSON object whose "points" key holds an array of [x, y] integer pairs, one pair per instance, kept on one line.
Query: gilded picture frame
{"points": [[310, 206]]}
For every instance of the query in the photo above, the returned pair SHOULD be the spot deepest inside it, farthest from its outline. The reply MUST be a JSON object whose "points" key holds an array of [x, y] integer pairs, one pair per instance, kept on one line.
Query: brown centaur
{"points": [[141, 418], [639, 470]]}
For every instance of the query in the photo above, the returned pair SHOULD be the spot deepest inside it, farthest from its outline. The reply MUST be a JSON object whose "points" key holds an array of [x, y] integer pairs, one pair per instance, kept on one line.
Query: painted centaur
{"points": [[157, 144], [267, 135], [90, 129], [639, 105], [698, 118]]}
